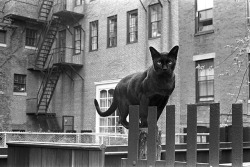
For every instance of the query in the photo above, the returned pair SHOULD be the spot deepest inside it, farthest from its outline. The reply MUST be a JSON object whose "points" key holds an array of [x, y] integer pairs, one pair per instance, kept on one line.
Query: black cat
{"points": [[149, 88]]}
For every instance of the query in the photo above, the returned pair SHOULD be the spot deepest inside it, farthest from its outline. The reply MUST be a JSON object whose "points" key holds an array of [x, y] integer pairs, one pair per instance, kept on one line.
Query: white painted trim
{"points": [[20, 93], [30, 47], [3, 45], [107, 84], [204, 56]]}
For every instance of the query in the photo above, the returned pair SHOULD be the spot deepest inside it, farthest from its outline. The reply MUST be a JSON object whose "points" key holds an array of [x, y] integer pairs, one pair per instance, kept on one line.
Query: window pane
{"points": [[112, 31], [30, 37], [19, 83], [108, 124], [93, 35], [2, 36], [205, 80], [204, 4]]}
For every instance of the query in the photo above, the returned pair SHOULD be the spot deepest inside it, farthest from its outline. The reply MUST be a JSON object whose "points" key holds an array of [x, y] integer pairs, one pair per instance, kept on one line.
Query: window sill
{"points": [[204, 32], [128, 43], [93, 50], [20, 93], [151, 38], [3, 45], [30, 47], [111, 47]]}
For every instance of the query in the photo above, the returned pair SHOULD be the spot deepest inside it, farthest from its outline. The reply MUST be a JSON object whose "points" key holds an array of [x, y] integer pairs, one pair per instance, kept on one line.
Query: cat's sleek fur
{"points": [[149, 88]]}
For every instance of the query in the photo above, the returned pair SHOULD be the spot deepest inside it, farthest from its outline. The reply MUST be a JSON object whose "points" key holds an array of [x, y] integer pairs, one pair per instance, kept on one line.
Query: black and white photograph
{"points": [[124, 83]]}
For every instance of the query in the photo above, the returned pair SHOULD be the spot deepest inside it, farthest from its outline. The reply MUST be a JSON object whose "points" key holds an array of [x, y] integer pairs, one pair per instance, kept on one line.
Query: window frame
{"points": [[197, 20], [248, 12], [198, 97], [107, 85], [31, 37], [92, 37], [4, 36], [129, 13], [114, 17], [18, 83], [78, 2], [65, 125], [77, 51], [159, 21]]}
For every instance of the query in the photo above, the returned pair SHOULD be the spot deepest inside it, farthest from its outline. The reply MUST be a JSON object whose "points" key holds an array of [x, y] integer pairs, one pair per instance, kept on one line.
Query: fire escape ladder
{"points": [[45, 9], [46, 43], [47, 89]]}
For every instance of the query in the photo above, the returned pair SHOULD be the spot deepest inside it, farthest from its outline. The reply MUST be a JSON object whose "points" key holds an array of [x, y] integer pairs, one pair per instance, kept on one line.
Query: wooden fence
{"points": [[191, 157]]}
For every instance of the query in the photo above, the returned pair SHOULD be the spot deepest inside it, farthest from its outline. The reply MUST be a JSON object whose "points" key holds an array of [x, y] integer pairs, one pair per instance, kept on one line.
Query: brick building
{"points": [[69, 52], [209, 69], [57, 57]]}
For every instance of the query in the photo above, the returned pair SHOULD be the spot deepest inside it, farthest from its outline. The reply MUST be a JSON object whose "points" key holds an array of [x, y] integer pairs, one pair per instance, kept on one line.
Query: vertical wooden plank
{"points": [[170, 135], [96, 158], [64, 157], [35, 157], [152, 134], [11, 156], [81, 158], [214, 136], [237, 135], [191, 135], [49, 157], [133, 135]]}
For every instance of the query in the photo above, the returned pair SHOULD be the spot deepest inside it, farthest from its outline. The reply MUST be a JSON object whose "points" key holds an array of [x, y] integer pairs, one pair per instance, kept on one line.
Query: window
{"points": [[2, 37], [108, 124], [132, 26], [248, 11], [68, 123], [77, 40], [112, 31], [204, 15], [31, 35], [154, 21], [19, 83], [205, 80], [61, 46], [78, 2], [93, 35]]}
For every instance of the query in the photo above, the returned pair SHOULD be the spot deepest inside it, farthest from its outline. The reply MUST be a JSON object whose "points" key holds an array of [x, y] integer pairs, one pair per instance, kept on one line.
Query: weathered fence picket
{"points": [[191, 156]]}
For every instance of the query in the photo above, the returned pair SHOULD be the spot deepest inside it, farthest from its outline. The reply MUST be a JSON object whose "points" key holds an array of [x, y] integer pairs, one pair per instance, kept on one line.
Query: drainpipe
{"points": [[146, 34]]}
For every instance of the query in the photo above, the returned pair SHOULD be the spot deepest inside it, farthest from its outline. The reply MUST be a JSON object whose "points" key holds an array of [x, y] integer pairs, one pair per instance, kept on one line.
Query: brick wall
{"points": [[229, 24]]}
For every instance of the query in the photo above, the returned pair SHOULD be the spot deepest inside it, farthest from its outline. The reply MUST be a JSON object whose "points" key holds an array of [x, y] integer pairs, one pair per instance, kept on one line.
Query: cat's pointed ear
{"points": [[174, 51], [154, 52]]}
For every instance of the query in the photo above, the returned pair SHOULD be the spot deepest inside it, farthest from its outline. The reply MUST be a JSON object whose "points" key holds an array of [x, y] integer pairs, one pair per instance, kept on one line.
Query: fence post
{"points": [[237, 135], [214, 135], [133, 135], [170, 135], [191, 135], [151, 136]]}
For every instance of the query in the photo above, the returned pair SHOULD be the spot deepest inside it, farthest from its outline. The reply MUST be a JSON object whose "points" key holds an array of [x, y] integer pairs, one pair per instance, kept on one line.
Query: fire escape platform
{"points": [[22, 18], [69, 17]]}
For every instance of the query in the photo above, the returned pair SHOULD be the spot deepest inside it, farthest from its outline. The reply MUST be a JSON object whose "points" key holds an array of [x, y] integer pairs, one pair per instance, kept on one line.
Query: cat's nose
{"points": [[165, 67]]}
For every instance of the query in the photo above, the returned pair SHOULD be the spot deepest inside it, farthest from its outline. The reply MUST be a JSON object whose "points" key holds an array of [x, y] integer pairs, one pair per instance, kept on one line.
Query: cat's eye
{"points": [[159, 63], [170, 63]]}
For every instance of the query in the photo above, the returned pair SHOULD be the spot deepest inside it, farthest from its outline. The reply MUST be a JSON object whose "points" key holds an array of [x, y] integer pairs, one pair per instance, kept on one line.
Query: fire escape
{"points": [[45, 55], [49, 61]]}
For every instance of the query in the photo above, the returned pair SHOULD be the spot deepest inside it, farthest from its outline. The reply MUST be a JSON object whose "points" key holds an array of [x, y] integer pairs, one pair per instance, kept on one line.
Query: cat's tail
{"points": [[110, 111]]}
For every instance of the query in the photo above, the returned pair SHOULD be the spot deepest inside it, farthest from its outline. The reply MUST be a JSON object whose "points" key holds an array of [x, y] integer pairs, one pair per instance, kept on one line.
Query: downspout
{"points": [[146, 34]]}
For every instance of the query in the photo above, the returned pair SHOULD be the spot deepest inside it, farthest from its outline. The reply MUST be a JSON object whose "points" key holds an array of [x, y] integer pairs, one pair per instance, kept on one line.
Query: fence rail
{"points": [[84, 138]]}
